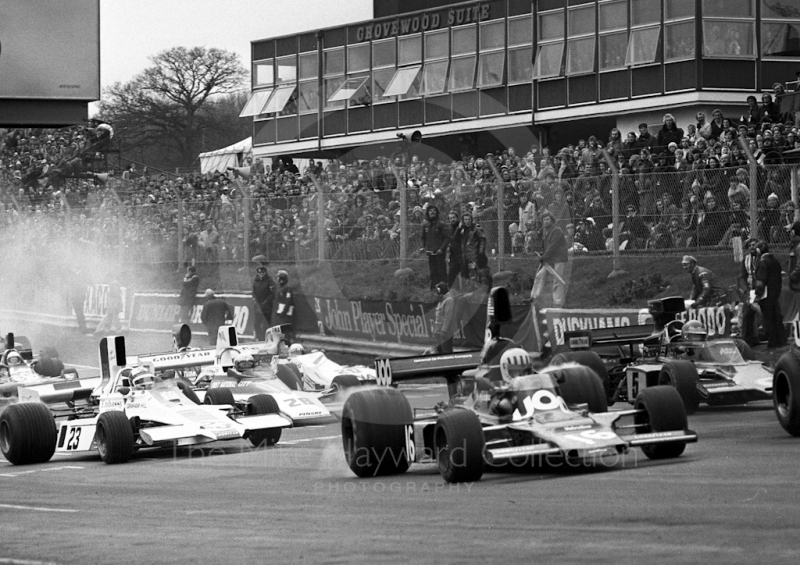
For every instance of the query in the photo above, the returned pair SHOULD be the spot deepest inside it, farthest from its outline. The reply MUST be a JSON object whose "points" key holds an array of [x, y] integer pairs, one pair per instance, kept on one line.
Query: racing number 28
{"points": [[589, 437]]}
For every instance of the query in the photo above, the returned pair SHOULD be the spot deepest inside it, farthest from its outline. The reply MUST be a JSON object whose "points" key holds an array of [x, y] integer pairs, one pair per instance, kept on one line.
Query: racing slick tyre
{"points": [[114, 437], [376, 432], [219, 396], [662, 410], [263, 404], [187, 391], [459, 443], [290, 376], [744, 348], [682, 375], [786, 392], [27, 433], [579, 385], [342, 382], [588, 358]]}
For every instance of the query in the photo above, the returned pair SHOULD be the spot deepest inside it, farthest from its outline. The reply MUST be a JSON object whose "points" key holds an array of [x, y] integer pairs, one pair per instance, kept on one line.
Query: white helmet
{"points": [[514, 362], [142, 379], [296, 349], [13, 358], [243, 361]]}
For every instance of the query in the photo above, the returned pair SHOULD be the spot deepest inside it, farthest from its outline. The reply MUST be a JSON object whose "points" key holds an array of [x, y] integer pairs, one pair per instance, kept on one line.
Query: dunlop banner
{"points": [[160, 311], [560, 320]]}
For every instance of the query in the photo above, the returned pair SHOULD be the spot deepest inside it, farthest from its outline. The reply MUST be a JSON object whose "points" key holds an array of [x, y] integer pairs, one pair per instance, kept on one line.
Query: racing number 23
{"points": [[74, 438]]}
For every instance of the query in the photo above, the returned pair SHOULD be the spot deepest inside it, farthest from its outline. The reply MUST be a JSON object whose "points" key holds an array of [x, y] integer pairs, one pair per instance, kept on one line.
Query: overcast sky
{"points": [[133, 30]]}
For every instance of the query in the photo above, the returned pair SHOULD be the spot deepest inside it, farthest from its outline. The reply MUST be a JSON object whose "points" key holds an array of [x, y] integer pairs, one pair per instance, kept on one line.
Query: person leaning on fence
{"points": [[552, 263], [706, 290]]}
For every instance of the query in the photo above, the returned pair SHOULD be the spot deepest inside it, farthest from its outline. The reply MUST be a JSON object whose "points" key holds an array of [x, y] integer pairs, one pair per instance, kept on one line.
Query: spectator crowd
{"points": [[680, 186]]}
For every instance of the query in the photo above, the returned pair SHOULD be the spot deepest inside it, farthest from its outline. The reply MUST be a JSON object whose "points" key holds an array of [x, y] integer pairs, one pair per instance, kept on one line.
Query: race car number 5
{"points": [[590, 436]]}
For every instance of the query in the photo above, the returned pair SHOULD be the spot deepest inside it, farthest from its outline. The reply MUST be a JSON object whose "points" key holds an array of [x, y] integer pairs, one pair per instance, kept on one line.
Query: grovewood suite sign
{"points": [[425, 22]]}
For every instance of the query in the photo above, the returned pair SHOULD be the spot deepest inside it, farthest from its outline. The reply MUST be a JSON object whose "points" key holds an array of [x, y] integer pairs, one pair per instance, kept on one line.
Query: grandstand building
{"points": [[476, 75]]}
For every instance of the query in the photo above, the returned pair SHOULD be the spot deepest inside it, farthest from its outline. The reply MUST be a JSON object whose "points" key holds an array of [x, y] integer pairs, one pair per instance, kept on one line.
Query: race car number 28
{"points": [[590, 437]]}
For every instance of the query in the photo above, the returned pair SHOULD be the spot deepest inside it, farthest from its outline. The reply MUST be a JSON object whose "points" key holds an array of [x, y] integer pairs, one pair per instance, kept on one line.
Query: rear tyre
{"points": [[27, 433], [219, 396], [343, 382], [263, 404], [589, 359], [786, 392], [114, 437], [376, 425], [581, 385], [682, 375], [188, 392], [290, 376], [662, 410], [459, 445]]}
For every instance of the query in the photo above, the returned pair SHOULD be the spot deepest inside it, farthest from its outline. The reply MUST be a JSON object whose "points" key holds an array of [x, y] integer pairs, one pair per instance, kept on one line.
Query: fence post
{"points": [[181, 249], [246, 228], [793, 175], [501, 240], [616, 271], [401, 186], [753, 185]]}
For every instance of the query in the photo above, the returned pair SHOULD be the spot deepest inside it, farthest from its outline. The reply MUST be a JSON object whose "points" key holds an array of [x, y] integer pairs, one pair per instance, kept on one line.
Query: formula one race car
{"points": [[298, 370], [19, 368], [503, 411], [714, 371], [786, 387], [131, 408]]}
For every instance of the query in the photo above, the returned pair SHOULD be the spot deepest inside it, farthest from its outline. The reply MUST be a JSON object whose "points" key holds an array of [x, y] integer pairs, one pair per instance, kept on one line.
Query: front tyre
{"points": [[682, 375], [459, 444], [786, 392], [661, 410], [27, 433], [114, 437], [219, 397], [376, 432], [258, 405]]}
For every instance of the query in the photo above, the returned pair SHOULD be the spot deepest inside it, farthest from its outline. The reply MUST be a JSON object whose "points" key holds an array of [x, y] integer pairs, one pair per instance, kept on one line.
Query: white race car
{"points": [[130, 408]]}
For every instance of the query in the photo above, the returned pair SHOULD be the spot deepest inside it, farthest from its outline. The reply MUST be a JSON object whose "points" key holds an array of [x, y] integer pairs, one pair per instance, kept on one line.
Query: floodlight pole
{"points": [[616, 270]]}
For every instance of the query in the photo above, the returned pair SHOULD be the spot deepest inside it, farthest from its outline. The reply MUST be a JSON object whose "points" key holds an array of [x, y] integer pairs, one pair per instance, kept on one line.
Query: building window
{"points": [[463, 61], [333, 75], [354, 91], [780, 29], [520, 50], [613, 39], [384, 55], [287, 69], [307, 89], [437, 53], [645, 32], [358, 58], [550, 48], [279, 99], [256, 103], [409, 50], [492, 59], [402, 81], [264, 73], [581, 40], [679, 31], [729, 29]]}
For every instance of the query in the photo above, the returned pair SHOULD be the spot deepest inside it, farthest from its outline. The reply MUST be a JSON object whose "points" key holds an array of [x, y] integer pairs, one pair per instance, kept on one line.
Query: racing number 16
{"points": [[411, 449]]}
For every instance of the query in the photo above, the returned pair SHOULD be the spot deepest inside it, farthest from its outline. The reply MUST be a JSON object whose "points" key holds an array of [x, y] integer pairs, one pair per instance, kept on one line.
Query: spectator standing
{"points": [[284, 304], [553, 263], [263, 299], [456, 252], [77, 297], [474, 244], [747, 279], [215, 313], [669, 133], [435, 238], [768, 293], [793, 308], [444, 324], [188, 294]]}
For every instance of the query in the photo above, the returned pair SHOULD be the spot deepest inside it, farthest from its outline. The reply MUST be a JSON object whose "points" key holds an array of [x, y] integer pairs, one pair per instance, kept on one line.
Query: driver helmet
{"points": [[13, 358], [514, 362], [142, 379], [296, 349], [694, 331], [243, 361]]}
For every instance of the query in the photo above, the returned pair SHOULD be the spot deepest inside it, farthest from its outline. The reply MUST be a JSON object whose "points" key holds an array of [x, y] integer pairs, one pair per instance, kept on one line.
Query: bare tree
{"points": [[175, 102]]}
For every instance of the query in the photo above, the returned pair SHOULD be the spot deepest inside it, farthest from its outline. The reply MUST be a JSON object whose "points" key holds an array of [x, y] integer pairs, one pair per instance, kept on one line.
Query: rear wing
{"points": [[610, 337], [449, 365], [62, 391]]}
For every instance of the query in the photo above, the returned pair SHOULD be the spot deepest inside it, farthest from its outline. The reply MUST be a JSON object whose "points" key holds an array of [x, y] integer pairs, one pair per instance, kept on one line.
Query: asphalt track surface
{"points": [[731, 498]]}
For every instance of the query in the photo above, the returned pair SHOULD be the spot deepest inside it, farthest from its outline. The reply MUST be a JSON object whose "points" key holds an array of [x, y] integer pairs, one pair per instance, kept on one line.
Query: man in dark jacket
{"points": [[768, 293], [473, 243], [186, 300], [263, 298], [215, 313], [456, 253], [284, 305], [435, 238], [553, 263], [706, 290]]}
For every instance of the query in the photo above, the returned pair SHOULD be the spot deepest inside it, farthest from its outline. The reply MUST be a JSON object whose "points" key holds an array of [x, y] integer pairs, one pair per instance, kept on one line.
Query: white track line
{"points": [[18, 473], [36, 509], [12, 561]]}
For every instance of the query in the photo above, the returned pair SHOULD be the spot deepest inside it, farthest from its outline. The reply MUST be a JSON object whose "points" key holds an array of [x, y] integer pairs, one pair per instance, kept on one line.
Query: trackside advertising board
{"points": [[157, 311]]}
